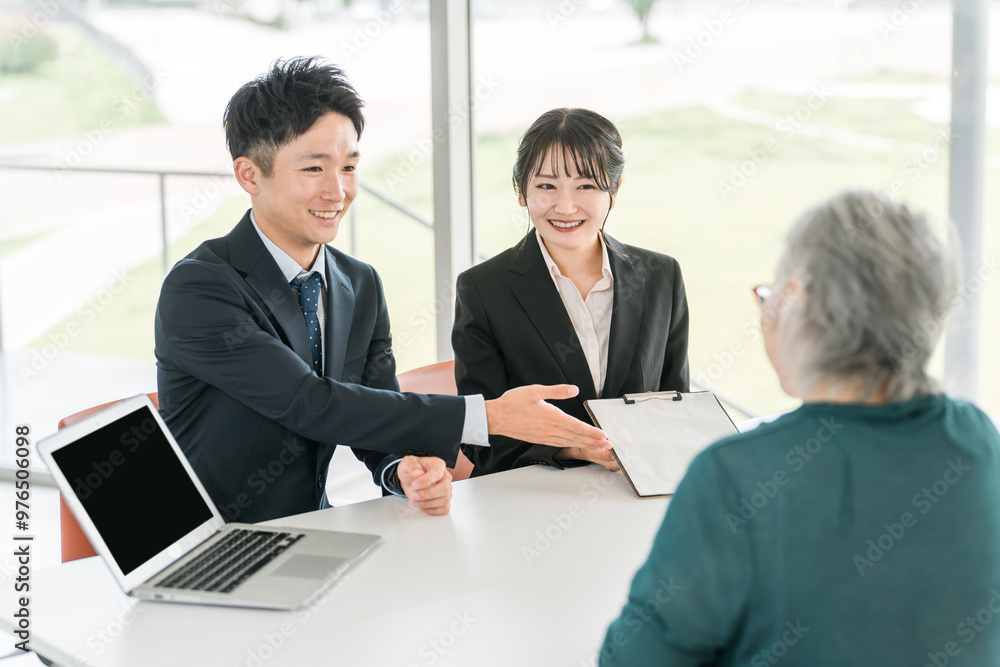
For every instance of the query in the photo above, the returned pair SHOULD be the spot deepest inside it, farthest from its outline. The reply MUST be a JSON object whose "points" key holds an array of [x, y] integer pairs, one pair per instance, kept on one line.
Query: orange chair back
{"points": [[437, 378], [74, 543]]}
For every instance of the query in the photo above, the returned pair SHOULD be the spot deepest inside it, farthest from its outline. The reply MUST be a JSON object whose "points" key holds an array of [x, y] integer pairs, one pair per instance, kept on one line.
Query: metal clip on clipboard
{"points": [[630, 399], [654, 441]]}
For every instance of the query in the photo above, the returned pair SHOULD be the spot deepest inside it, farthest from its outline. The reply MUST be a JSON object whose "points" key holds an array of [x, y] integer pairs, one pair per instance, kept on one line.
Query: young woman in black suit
{"points": [[568, 304]]}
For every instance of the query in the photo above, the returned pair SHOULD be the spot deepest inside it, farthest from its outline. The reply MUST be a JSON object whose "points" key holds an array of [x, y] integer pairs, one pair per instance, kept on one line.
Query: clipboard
{"points": [[656, 435]]}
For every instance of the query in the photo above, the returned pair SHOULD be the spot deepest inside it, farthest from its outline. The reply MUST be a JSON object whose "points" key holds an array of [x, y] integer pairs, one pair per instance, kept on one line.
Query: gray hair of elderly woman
{"points": [[878, 287]]}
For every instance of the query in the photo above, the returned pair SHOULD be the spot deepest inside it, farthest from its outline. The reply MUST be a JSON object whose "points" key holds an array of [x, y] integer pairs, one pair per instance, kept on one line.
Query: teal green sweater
{"points": [[840, 535]]}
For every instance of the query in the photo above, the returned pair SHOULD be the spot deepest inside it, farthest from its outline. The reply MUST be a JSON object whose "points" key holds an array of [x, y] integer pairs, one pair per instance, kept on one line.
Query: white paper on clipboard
{"points": [[656, 437]]}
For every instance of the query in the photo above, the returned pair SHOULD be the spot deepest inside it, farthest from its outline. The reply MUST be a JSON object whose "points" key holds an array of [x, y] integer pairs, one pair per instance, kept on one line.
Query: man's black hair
{"points": [[283, 104]]}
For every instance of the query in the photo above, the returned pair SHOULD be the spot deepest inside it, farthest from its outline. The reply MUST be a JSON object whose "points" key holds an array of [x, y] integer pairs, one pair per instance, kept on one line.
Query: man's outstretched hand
{"points": [[523, 414], [426, 483]]}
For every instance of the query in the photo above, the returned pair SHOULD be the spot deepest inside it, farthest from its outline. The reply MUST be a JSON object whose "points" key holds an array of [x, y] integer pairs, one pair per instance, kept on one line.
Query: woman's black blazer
{"points": [[511, 329]]}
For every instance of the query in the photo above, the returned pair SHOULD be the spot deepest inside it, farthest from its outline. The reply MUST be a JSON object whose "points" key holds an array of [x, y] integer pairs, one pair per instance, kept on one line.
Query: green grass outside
{"points": [[884, 118], [11, 245], [77, 91], [124, 326], [670, 201], [891, 76]]}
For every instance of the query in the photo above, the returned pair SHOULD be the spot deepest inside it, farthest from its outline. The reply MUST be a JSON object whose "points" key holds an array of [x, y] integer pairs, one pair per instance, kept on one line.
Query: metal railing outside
{"points": [[162, 176]]}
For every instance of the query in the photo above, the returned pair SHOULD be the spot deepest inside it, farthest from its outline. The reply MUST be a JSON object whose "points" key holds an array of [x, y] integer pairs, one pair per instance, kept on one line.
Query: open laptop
{"points": [[139, 502]]}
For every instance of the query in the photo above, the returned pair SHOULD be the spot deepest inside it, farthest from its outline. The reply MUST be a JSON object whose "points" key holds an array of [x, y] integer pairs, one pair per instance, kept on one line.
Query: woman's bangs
{"points": [[581, 154]]}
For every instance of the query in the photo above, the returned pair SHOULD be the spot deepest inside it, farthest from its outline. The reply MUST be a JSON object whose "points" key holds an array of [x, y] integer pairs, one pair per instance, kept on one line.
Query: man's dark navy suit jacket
{"points": [[237, 390]]}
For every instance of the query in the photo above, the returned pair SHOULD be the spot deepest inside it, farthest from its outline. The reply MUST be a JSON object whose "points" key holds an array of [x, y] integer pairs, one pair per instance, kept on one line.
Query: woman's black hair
{"points": [[277, 107], [585, 138]]}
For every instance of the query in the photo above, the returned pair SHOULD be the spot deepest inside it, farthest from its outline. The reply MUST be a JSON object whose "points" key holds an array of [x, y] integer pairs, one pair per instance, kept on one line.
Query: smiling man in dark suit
{"points": [[272, 347]]}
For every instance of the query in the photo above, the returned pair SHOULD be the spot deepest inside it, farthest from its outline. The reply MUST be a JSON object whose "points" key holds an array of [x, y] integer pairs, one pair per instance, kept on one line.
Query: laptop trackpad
{"points": [[308, 567]]}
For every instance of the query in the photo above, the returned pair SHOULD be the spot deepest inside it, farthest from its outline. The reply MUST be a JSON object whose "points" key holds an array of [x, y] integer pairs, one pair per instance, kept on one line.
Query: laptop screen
{"points": [[129, 480]]}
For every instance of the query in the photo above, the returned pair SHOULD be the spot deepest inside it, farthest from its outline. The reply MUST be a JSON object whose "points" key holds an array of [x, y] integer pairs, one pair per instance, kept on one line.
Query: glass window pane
{"points": [[138, 86], [735, 117]]}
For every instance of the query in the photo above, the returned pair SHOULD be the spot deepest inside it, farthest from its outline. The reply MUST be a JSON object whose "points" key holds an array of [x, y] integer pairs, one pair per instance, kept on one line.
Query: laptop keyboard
{"points": [[231, 561]]}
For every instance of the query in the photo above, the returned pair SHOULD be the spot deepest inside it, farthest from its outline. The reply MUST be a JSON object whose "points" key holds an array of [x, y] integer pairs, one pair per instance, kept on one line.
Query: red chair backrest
{"points": [[437, 378], [74, 543]]}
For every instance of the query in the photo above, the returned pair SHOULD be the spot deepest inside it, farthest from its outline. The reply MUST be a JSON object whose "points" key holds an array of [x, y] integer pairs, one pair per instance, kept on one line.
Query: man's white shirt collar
{"points": [[288, 266]]}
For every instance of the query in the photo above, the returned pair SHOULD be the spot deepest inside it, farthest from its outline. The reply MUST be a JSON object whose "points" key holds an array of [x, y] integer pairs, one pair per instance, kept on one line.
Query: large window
{"points": [[124, 100], [735, 116]]}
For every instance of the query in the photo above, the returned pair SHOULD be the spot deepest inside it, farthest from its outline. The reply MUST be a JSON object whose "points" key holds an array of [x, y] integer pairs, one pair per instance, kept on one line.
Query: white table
{"points": [[528, 569]]}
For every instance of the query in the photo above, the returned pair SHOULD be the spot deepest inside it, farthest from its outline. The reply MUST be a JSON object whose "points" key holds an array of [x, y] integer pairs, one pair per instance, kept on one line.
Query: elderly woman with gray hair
{"points": [[862, 528]]}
